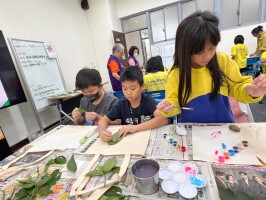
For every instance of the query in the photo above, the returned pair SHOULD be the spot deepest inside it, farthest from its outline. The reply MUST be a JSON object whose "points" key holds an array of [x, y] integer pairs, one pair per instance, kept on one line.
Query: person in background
{"points": [[203, 79], [136, 110], [239, 53], [261, 41], [263, 62], [247, 185], [95, 102], [133, 53], [115, 67], [155, 77]]}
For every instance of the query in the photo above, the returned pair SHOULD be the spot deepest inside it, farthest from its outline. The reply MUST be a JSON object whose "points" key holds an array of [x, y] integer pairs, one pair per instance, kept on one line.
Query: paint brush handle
{"points": [[183, 108], [101, 127]]}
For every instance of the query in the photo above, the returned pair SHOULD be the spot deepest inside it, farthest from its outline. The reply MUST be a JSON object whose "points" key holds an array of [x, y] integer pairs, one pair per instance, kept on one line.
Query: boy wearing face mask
{"points": [[95, 101]]}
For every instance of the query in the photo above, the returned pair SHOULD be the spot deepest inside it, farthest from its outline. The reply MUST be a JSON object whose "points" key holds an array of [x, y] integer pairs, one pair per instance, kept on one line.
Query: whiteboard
{"points": [[166, 50], [42, 75]]}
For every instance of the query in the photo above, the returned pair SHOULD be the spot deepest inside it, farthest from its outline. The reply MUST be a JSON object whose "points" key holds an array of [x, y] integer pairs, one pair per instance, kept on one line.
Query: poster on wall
{"points": [[50, 49]]}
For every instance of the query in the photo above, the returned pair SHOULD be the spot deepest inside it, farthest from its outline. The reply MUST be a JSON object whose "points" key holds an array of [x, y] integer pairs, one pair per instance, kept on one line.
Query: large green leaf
{"points": [[109, 164], [71, 164]]}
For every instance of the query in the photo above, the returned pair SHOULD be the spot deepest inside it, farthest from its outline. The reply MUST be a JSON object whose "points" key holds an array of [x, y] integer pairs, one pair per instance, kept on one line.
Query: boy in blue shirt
{"points": [[136, 110]]}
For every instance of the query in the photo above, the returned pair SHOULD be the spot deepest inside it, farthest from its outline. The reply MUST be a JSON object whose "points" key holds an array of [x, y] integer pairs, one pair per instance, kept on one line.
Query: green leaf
{"points": [[28, 180], [44, 180], [21, 193], [4, 195], [95, 173], [109, 164], [45, 191], [113, 193], [83, 140], [116, 169], [28, 185], [71, 164], [116, 139], [82, 110], [60, 160]]}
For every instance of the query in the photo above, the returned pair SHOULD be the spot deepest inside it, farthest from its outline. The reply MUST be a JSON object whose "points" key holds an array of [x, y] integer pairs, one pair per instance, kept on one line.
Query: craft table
{"points": [[62, 97], [158, 148]]}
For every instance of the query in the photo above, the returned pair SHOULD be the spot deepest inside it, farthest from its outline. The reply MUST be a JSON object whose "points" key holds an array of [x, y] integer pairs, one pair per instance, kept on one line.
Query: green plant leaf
{"points": [[60, 160], [44, 180], [113, 193], [28, 180], [109, 164], [82, 110], [21, 193], [83, 140], [95, 173], [116, 139], [4, 195], [116, 169], [71, 164]]}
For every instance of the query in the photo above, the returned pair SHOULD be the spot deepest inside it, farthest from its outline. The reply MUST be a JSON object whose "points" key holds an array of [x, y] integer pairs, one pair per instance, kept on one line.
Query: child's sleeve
{"points": [[115, 112], [237, 83], [151, 104], [171, 92]]}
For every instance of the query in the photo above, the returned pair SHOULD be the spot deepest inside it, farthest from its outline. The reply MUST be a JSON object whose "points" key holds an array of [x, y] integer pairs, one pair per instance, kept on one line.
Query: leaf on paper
{"points": [[71, 164]]}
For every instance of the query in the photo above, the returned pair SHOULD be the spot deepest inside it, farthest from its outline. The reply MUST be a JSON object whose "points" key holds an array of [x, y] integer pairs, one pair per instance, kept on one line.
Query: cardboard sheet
{"points": [[204, 146], [134, 144], [255, 134], [65, 138]]}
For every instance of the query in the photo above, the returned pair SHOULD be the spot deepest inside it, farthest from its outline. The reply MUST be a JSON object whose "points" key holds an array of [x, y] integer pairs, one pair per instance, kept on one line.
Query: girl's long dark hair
{"points": [[191, 37]]}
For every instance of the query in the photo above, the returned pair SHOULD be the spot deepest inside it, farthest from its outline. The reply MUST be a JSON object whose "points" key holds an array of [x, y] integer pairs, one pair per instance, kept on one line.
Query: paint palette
{"points": [[198, 180]]}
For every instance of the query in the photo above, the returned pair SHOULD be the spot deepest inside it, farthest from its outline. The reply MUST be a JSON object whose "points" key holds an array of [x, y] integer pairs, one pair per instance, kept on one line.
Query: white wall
{"points": [[102, 18], [62, 22]]}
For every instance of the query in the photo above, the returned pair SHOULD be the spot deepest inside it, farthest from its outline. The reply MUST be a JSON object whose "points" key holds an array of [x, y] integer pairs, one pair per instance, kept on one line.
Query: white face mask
{"points": [[136, 54]]}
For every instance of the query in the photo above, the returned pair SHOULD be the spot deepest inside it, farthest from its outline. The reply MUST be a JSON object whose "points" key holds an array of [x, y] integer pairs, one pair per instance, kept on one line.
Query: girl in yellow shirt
{"points": [[203, 79]]}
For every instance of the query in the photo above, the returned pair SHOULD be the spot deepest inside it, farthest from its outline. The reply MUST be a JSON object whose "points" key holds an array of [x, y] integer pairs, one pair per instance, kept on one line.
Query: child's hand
{"points": [[106, 135], [257, 87], [127, 129], [76, 114], [165, 106], [93, 116]]}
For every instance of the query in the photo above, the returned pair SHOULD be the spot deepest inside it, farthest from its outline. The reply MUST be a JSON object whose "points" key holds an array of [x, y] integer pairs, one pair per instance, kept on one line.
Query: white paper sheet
{"points": [[204, 146], [134, 144], [255, 134], [65, 138]]}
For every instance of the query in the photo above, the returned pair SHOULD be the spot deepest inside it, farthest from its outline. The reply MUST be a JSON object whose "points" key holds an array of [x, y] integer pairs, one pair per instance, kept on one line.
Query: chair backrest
{"points": [[158, 94], [118, 94], [253, 60]]}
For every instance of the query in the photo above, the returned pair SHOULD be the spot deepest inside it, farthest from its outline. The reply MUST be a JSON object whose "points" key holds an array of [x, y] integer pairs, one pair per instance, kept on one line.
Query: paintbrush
{"points": [[104, 130], [184, 108]]}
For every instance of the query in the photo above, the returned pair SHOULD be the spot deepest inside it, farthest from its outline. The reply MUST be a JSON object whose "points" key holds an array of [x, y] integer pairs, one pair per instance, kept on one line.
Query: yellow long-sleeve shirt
{"points": [[205, 110]]}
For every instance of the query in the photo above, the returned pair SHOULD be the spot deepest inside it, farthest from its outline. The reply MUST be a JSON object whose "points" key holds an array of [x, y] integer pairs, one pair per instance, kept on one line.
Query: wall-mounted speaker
{"points": [[85, 4]]}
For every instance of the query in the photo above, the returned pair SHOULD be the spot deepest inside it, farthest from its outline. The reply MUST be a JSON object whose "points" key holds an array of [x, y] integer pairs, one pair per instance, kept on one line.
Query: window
{"points": [[188, 8], [249, 11], [230, 13], [171, 21], [157, 25], [204, 5], [134, 23]]}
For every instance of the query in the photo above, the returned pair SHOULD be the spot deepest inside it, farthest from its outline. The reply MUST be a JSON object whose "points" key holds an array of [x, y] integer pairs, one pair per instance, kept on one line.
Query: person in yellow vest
{"points": [[261, 41], [155, 77], [239, 53], [263, 62]]}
